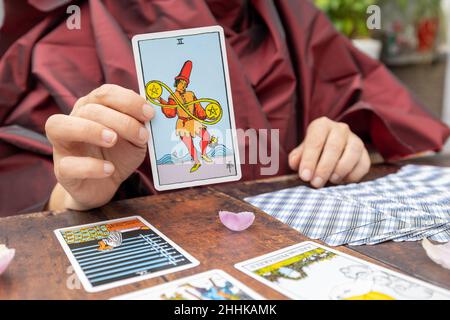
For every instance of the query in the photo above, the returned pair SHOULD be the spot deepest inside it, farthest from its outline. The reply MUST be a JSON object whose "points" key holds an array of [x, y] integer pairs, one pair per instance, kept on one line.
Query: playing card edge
{"points": [[198, 183], [170, 33], [74, 263], [137, 61]]}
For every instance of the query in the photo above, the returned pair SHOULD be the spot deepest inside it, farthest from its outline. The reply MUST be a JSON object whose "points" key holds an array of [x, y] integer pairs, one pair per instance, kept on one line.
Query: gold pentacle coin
{"points": [[213, 111], [154, 90]]}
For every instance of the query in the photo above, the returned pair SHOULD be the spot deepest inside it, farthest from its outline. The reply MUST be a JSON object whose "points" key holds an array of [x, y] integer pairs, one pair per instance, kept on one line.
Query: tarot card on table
{"points": [[121, 251], [184, 75], [310, 271], [209, 285]]}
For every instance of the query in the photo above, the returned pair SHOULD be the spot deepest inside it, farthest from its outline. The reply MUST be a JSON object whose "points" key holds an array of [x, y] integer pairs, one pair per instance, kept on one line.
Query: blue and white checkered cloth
{"points": [[409, 205]]}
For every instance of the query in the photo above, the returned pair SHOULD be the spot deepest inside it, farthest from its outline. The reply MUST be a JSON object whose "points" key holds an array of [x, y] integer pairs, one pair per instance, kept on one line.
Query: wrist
{"points": [[60, 199], [72, 204]]}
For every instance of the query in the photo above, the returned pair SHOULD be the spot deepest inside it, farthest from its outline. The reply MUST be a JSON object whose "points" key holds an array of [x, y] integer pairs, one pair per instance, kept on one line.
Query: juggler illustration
{"points": [[192, 117], [184, 76]]}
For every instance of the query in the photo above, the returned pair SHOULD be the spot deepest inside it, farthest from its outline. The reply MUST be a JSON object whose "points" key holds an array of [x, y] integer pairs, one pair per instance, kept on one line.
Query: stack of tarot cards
{"points": [[410, 205]]}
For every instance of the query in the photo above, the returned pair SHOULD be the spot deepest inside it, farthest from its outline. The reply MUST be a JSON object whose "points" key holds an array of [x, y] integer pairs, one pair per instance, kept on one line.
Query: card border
{"points": [[227, 276], [137, 59], [240, 267], [84, 280]]}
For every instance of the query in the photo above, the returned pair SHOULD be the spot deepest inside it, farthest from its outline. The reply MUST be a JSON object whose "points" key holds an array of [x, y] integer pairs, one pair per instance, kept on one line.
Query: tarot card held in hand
{"points": [[121, 251], [209, 285], [184, 75], [310, 271]]}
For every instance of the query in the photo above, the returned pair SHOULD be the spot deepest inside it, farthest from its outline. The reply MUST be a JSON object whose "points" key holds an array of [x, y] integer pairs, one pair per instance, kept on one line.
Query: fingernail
{"points": [[306, 175], [143, 134], [317, 182], [148, 111], [108, 136], [335, 178], [291, 159], [108, 168], [294, 153]]}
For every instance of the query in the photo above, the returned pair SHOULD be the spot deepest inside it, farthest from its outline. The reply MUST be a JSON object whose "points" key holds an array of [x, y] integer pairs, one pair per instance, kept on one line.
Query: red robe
{"points": [[287, 64]]}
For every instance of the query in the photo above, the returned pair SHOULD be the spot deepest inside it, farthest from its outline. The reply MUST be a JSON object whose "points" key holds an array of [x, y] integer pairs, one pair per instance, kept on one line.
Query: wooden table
{"points": [[41, 270]]}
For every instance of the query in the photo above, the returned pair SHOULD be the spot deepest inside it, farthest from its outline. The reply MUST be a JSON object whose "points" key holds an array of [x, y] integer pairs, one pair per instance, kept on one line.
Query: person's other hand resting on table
{"points": [[330, 152], [104, 140]]}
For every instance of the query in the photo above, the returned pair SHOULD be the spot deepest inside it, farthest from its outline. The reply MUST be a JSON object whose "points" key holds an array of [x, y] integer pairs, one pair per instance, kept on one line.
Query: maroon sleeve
{"points": [[199, 112], [169, 112], [342, 83]]}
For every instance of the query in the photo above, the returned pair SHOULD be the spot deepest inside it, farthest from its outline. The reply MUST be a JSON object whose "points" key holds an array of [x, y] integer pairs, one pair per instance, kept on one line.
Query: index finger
{"points": [[121, 99], [312, 149]]}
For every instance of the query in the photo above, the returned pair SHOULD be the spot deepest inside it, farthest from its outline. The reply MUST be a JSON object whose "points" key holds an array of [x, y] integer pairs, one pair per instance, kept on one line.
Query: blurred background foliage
{"points": [[349, 16], [413, 42]]}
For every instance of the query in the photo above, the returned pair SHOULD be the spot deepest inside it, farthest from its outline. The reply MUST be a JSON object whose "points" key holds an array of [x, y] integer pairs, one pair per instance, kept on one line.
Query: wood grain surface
{"points": [[189, 217]]}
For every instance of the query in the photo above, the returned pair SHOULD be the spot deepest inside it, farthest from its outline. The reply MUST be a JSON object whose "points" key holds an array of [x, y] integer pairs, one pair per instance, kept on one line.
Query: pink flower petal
{"points": [[438, 253], [237, 221], [6, 256]]}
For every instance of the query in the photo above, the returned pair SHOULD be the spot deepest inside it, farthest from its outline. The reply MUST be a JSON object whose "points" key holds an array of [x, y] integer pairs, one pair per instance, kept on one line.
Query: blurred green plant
{"points": [[348, 16]]}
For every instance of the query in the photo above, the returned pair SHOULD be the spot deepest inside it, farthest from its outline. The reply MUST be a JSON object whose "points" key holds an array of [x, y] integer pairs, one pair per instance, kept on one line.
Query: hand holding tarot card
{"points": [[184, 75]]}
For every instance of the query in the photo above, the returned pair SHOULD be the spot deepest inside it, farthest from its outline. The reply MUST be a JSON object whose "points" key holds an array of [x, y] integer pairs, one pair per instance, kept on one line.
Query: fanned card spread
{"points": [[409, 205]]}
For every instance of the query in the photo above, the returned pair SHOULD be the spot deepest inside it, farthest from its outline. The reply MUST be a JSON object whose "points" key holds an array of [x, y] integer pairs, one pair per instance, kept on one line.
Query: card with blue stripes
{"points": [[116, 252], [409, 205]]}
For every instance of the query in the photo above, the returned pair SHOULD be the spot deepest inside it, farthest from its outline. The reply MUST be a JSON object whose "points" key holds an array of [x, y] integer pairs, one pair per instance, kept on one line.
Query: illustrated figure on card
{"points": [[184, 75], [187, 127], [209, 285]]}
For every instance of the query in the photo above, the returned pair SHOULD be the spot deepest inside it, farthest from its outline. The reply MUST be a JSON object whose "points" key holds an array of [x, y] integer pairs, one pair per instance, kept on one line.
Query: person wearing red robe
{"points": [[289, 68]]}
